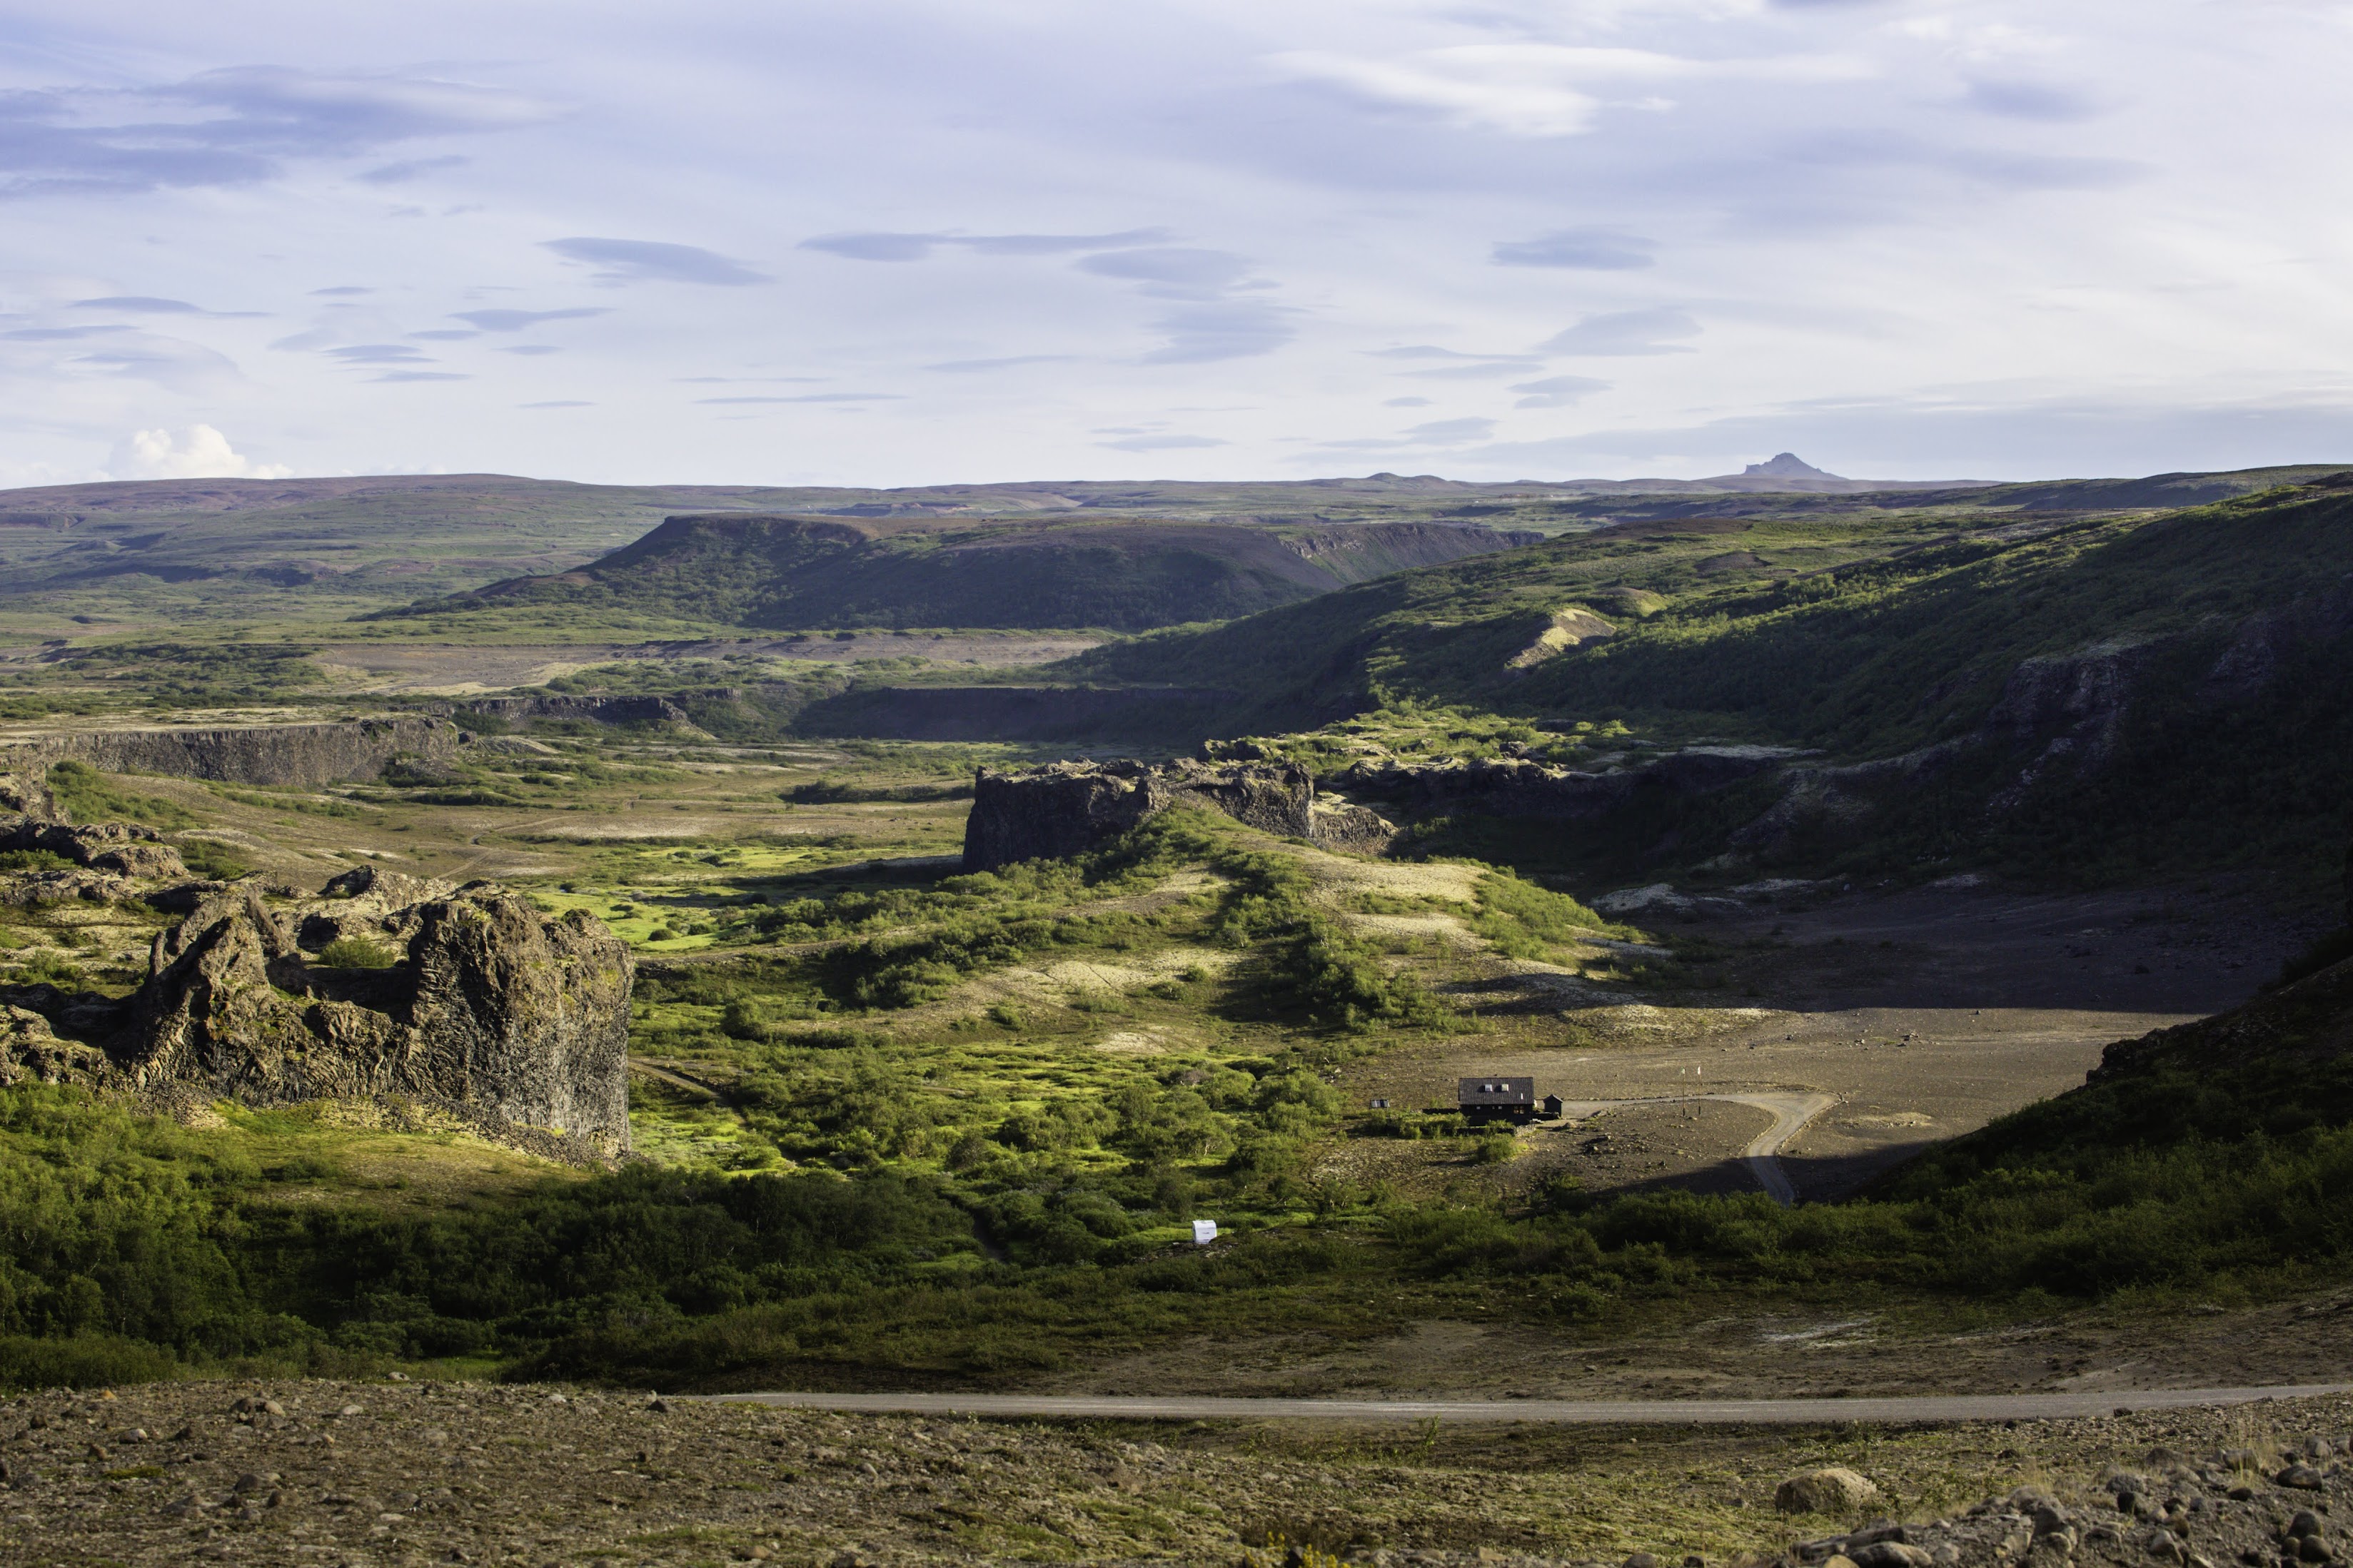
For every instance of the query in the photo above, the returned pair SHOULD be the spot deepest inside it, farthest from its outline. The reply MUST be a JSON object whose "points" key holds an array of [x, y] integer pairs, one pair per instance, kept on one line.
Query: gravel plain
{"points": [[375, 1475]]}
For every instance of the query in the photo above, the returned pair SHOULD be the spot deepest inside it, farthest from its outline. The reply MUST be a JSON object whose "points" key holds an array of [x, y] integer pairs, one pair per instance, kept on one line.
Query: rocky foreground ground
{"points": [[357, 1476]]}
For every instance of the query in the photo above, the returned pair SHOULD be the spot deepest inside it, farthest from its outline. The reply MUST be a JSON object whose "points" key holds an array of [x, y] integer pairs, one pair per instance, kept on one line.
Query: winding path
{"points": [[1790, 1112], [1930, 1408]]}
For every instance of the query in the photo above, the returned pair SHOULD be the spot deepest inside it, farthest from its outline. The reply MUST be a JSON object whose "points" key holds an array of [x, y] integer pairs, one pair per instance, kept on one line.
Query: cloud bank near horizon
{"points": [[920, 242]]}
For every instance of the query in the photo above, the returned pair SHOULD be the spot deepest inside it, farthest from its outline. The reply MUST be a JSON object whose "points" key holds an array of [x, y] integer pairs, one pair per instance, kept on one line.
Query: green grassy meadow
{"points": [[897, 1123]]}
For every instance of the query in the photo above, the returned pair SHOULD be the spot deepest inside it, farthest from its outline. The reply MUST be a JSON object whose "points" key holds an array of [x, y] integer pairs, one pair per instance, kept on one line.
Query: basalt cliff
{"points": [[1067, 808], [340, 752]]}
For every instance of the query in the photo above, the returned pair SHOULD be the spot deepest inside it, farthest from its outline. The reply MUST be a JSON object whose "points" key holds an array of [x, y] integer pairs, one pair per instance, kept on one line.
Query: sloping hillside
{"points": [[2180, 682], [783, 571], [2271, 1079]]}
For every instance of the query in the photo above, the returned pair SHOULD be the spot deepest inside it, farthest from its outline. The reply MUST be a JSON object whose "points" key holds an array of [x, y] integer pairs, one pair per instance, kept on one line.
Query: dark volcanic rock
{"points": [[525, 1016], [1067, 808], [347, 751], [29, 819], [490, 1010], [121, 847], [25, 797], [30, 1049]]}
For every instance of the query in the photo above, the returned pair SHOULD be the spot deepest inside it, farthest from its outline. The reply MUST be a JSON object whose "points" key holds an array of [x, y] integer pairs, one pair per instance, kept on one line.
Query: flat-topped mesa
{"points": [[332, 752], [467, 1001], [1067, 808]]}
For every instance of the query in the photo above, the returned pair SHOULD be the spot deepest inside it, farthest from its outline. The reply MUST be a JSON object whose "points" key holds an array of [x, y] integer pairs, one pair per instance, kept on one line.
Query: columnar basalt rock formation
{"points": [[466, 1000], [1067, 808]]}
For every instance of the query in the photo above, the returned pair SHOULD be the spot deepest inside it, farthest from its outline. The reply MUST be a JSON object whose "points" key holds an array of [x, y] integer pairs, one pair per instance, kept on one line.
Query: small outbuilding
{"points": [[1497, 1098], [1552, 1108]]}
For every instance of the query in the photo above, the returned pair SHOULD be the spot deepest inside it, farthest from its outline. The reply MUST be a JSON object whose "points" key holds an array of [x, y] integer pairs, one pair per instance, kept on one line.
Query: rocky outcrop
{"points": [[29, 1048], [121, 849], [25, 797], [482, 1006], [111, 851], [298, 754], [1068, 808]]}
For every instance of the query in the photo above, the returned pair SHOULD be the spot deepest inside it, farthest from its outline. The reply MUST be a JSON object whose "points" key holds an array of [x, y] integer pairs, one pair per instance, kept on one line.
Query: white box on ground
{"points": [[1205, 1231]]}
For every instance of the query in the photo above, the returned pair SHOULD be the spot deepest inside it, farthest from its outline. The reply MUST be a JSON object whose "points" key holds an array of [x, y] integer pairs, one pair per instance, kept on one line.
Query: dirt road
{"points": [[1790, 1112], [1571, 1412]]}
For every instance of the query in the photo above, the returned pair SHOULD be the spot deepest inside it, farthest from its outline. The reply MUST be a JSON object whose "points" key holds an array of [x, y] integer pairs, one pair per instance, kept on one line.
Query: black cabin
{"points": [[1497, 1098]]}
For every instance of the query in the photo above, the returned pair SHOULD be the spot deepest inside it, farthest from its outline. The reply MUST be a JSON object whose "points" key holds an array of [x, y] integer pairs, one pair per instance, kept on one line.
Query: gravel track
{"points": [[1573, 1411]]}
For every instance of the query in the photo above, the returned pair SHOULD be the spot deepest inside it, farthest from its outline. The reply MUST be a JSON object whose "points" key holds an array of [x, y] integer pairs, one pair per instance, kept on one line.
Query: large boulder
{"points": [[1833, 1490]]}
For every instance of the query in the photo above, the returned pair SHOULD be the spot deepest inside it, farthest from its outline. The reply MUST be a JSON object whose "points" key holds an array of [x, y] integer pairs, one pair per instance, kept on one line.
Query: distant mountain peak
{"points": [[1787, 465]]}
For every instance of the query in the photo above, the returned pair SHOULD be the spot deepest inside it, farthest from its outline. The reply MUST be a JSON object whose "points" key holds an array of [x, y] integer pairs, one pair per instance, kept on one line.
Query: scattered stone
{"points": [[2303, 1477]]}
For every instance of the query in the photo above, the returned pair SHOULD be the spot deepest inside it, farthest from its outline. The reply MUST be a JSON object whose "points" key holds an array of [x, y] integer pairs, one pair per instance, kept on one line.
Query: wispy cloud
{"points": [[814, 398], [1432, 351], [654, 261], [1010, 362], [413, 168], [892, 247], [1162, 443], [174, 364], [1557, 391], [516, 320], [145, 304], [1586, 249], [1221, 329], [1172, 271], [1620, 333], [237, 126], [62, 334], [1539, 89], [378, 353], [1434, 433]]}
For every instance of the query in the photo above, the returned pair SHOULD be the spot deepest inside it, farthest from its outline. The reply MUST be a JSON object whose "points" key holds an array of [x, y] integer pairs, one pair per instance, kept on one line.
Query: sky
{"points": [[901, 242]]}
